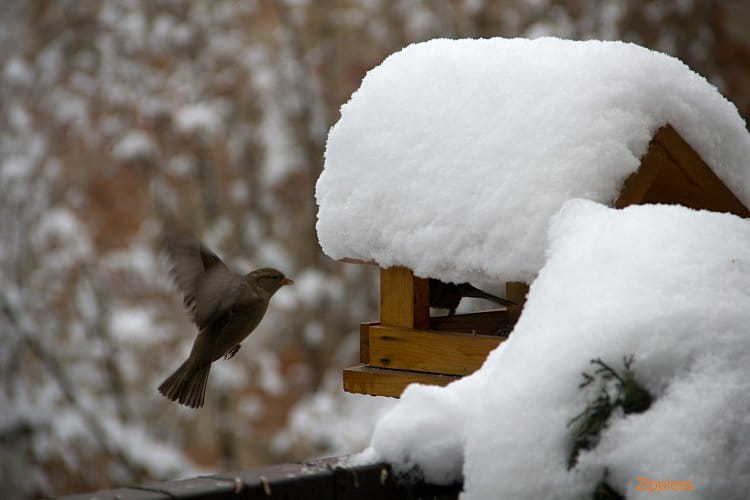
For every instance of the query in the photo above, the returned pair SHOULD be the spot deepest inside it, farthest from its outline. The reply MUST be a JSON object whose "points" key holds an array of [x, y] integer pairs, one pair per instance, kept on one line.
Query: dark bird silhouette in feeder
{"points": [[225, 306], [449, 295]]}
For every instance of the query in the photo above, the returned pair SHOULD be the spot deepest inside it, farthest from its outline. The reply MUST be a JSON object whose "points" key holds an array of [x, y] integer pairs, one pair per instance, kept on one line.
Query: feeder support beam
{"points": [[404, 299]]}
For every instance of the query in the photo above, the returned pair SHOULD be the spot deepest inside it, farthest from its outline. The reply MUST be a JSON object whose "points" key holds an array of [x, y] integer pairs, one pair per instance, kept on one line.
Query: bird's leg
{"points": [[231, 352]]}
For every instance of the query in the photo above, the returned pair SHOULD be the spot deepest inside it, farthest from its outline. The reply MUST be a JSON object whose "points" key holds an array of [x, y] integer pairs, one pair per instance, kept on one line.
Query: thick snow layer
{"points": [[453, 154], [667, 284]]}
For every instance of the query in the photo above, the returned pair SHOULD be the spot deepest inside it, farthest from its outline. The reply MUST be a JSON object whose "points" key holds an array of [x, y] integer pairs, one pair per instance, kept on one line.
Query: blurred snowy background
{"points": [[114, 114]]}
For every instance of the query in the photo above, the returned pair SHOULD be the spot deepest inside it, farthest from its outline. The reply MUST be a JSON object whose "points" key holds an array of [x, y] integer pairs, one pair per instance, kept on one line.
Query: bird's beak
{"points": [[287, 281]]}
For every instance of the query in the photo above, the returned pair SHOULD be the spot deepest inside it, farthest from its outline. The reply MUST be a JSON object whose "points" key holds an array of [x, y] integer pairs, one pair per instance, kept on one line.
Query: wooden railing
{"points": [[322, 479]]}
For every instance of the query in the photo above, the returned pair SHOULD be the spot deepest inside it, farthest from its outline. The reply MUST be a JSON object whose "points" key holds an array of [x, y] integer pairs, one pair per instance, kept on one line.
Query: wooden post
{"points": [[515, 291], [364, 341], [404, 299]]}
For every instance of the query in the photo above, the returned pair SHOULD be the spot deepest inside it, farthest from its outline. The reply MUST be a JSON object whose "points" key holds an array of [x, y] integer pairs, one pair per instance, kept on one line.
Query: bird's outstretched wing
{"points": [[191, 260]]}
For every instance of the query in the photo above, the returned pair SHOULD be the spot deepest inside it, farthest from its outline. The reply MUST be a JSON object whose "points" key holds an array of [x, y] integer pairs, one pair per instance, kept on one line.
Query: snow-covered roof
{"points": [[667, 284], [453, 155]]}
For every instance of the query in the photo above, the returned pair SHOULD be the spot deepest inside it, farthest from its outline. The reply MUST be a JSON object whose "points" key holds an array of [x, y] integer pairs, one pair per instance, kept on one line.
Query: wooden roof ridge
{"points": [[671, 171]]}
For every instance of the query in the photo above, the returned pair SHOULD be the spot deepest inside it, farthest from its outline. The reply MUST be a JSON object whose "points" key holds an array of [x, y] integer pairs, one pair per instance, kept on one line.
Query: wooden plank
{"points": [[331, 478], [491, 322], [404, 299], [421, 302], [364, 340], [362, 379], [350, 260], [516, 291], [448, 353]]}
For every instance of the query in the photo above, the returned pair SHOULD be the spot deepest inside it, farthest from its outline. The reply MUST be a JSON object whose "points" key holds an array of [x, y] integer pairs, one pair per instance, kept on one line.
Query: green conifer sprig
{"points": [[615, 390], [604, 491]]}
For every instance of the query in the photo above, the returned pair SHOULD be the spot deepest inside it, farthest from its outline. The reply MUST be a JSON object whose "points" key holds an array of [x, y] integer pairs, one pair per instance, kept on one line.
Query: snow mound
{"points": [[667, 284], [453, 154]]}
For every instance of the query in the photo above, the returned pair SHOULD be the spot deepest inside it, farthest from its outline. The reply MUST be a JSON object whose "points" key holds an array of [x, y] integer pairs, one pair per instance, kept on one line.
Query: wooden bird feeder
{"points": [[407, 345]]}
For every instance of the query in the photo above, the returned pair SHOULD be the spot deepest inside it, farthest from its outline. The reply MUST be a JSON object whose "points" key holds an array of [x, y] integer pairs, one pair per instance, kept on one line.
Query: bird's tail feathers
{"points": [[187, 385], [474, 292]]}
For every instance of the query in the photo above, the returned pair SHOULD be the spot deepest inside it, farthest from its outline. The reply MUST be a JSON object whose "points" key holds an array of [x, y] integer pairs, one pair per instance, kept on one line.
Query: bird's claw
{"points": [[231, 352]]}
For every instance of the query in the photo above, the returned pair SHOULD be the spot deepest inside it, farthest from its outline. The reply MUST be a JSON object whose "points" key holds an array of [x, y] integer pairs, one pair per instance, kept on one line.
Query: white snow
{"points": [[314, 333], [182, 165], [136, 325], [667, 284], [17, 71], [312, 289], [201, 119], [138, 444], [269, 374], [68, 108], [134, 146], [137, 259], [333, 421], [16, 168], [65, 238], [228, 376], [453, 154], [282, 155]]}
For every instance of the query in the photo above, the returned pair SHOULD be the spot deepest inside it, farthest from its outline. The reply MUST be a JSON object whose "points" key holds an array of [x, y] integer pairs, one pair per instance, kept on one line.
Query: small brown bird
{"points": [[225, 306], [449, 295]]}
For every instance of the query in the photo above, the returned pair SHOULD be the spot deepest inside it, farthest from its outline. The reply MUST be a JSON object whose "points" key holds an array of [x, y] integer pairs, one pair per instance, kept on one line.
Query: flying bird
{"points": [[225, 306], [449, 295]]}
